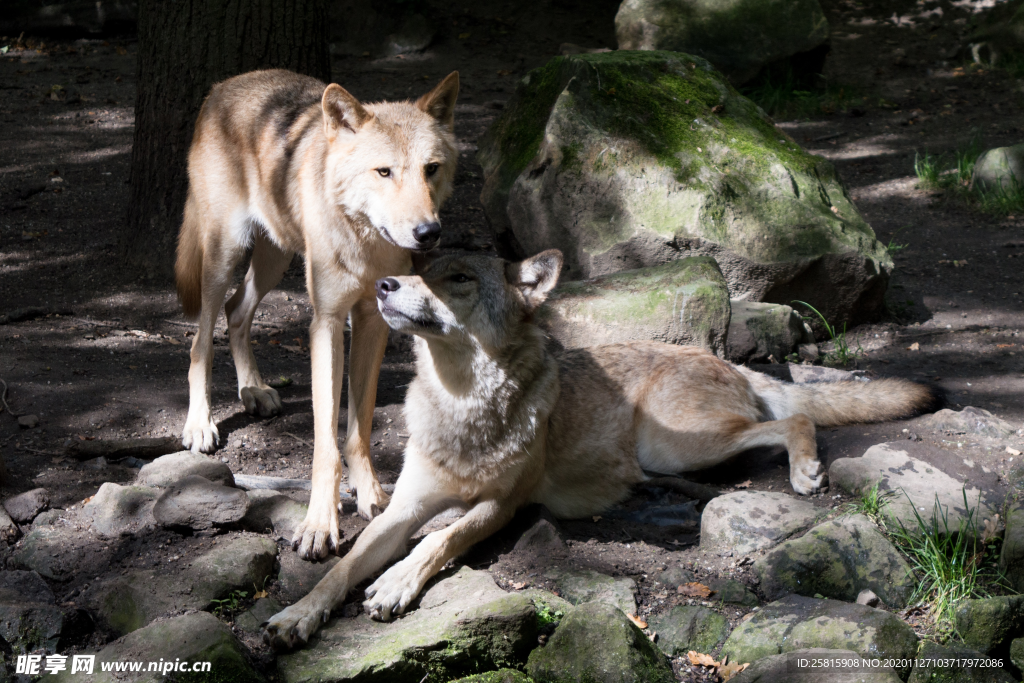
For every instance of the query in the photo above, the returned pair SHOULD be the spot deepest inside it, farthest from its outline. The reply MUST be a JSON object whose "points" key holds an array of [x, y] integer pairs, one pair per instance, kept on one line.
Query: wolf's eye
{"points": [[460, 278], [432, 169], [384, 172]]}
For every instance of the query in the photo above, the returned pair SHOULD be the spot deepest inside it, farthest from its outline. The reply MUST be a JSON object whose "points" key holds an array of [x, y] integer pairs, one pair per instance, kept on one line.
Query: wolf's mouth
{"points": [[386, 311]]}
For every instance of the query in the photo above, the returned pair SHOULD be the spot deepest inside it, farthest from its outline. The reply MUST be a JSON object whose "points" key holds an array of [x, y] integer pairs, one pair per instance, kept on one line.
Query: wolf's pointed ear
{"points": [[536, 276], [342, 112], [440, 102]]}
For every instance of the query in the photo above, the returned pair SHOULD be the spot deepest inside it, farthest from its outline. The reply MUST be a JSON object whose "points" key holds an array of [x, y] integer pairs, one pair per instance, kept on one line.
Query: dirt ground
{"points": [[109, 356]]}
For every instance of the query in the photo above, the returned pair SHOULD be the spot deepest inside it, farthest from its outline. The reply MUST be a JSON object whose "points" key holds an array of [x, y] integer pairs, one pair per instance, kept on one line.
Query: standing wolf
{"points": [[283, 164], [495, 422]]}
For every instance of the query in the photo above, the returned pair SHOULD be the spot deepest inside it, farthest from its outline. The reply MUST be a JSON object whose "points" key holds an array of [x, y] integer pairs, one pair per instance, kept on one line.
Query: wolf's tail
{"points": [[830, 404], [188, 269]]}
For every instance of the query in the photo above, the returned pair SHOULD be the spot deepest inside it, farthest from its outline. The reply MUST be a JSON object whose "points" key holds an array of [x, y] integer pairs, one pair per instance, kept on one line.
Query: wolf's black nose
{"points": [[386, 285], [427, 234]]}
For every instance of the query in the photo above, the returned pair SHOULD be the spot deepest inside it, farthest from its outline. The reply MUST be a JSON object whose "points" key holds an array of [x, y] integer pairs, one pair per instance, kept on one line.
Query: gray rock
{"points": [[297, 577], [988, 624], [499, 676], [732, 592], [938, 664], [793, 667], [808, 352], [797, 623], [414, 34], [127, 603], [586, 585], [838, 559], [198, 503], [53, 551], [197, 637], [168, 470], [28, 618], [1002, 167], [261, 611], [8, 529], [541, 537], [47, 518], [596, 643], [970, 420], [1011, 559], [28, 421], [274, 512], [745, 521], [117, 510], [72, 16], [545, 601], [867, 597], [674, 576], [759, 330], [1017, 653], [24, 507], [464, 624], [682, 302], [684, 628], [739, 38], [914, 484], [637, 178]]}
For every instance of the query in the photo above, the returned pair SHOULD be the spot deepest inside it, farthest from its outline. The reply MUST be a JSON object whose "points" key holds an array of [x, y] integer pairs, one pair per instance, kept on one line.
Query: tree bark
{"points": [[185, 46]]}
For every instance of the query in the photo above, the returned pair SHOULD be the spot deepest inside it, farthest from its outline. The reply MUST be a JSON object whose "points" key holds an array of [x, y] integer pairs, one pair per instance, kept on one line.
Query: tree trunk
{"points": [[185, 46]]}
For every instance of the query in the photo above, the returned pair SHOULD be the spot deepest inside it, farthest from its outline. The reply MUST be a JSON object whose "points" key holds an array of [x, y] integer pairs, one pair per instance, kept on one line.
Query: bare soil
{"points": [[108, 357]]}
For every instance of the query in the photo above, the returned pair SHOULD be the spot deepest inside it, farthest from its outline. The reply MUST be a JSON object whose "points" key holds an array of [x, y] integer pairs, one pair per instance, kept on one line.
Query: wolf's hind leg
{"points": [[265, 271], [796, 433], [200, 433]]}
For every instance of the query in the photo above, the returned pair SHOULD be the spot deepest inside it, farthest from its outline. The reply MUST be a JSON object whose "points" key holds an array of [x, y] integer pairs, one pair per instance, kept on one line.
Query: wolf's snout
{"points": [[427, 234], [385, 286]]}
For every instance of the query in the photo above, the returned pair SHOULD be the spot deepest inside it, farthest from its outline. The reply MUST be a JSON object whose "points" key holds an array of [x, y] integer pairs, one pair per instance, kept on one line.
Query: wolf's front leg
{"points": [[318, 534], [396, 588], [382, 539]]}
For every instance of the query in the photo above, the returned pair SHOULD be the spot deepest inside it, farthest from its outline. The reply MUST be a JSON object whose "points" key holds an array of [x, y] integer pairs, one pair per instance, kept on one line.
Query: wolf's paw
{"points": [[292, 626], [318, 535], [200, 435], [371, 500], [266, 402], [390, 594], [807, 478]]}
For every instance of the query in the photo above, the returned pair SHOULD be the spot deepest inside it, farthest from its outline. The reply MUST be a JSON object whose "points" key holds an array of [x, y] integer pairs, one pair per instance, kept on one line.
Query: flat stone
{"points": [[499, 676], [674, 576], [130, 602], [990, 623], [684, 628], [732, 592], [198, 503], [597, 643], [117, 510], [274, 512], [168, 470], [251, 619], [8, 529], [24, 507], [746, 521], [930, 661], [464, 623], [970, 420], [47, 518], [197, 637], [914, 483], [758, 330], [582, 586], [685, 301], [50, 550], [796, 623], [1011, 558], [28, 421], [297, 577], [838, 559], [793, 667], [28, 618], [1017, 653]]}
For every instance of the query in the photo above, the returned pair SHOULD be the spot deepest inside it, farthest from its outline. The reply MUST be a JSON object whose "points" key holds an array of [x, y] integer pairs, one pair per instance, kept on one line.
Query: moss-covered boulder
{"points": [[463, 625], [796, 622], [192, 639], [1011, 558], [946, 664], [1002, 167], [626, 160], [29, 619], [740, 37], [499, 676], [838, 559], [989, 625], [797, 667], [684, 628], [1017, 653], [745, 521], [596, 643], [758, 331], [586, 585], [732, 592], [681, 302]]}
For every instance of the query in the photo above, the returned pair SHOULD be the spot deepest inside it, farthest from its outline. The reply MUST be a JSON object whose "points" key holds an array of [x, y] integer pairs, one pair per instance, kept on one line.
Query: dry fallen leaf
{"points": [[518, 585], [727, 671], [640, 623], [744, 485], [914, 347], [701, 659], [597, 518], [695, 590], [259, 594], [1012, 451]]}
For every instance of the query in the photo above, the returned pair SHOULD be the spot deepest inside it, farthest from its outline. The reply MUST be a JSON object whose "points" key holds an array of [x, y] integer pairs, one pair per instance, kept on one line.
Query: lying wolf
{"points": [[283, 164], [497, 422]]}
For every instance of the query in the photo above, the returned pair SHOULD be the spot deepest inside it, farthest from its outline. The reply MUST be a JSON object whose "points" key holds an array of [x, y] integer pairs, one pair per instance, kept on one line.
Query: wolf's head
{"points": [[393, 163], [469, 296]]}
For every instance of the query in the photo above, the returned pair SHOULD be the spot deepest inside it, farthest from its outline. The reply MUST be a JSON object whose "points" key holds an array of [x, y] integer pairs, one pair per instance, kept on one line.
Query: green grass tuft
{"points": [[841, 353], [952, 175]]}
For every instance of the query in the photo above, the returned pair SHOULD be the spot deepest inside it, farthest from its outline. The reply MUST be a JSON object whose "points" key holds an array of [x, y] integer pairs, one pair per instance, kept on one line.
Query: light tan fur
{"points": [[496, 422], [283, 164]]}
